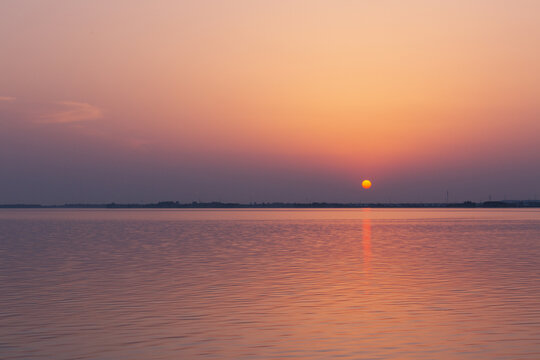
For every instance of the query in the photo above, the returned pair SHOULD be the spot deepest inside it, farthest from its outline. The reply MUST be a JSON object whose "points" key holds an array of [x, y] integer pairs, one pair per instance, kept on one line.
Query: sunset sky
{"points": [[142, 101]]}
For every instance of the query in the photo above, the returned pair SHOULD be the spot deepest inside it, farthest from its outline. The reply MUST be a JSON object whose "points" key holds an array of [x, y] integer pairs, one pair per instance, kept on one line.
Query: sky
{"points": [[260, 101]]}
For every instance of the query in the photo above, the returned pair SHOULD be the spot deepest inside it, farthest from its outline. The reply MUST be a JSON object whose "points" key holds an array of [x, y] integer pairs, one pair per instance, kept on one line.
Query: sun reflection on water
{"points": [[366, 244]]}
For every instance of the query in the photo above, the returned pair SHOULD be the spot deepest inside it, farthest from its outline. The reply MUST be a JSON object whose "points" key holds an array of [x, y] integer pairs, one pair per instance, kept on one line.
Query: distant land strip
{"points": [[281, 205]]}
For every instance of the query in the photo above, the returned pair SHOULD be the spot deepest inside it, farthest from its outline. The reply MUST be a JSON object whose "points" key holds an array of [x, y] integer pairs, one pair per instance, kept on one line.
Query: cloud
{"points": [[71, 112], [7, 98]]}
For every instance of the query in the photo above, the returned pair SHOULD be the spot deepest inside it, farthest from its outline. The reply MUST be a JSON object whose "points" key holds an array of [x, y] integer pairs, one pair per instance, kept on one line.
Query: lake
{"points": [[270, 284]]}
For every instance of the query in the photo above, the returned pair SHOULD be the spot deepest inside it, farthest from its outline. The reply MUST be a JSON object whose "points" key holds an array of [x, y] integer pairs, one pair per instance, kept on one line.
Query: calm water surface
{"points": [[270, 284]]}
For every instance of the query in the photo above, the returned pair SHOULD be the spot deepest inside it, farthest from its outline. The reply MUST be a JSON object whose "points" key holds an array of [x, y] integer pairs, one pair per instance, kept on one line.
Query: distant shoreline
{"points": [[281, 205]]}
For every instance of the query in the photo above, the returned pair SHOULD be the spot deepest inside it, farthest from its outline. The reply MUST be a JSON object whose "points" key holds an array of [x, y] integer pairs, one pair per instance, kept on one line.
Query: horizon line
{"points": [[277, 204]]}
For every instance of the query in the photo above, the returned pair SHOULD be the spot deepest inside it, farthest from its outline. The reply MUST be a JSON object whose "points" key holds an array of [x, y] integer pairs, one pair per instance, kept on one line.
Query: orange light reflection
{"points": [[366, 244]]}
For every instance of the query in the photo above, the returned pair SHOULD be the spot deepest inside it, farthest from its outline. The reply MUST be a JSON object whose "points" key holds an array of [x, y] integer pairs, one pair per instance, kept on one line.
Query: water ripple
{"points": [[296, 285]]}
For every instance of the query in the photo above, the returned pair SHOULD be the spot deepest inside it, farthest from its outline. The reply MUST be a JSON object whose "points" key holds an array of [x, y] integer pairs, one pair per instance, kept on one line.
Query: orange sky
{"points": [[406, 93]]}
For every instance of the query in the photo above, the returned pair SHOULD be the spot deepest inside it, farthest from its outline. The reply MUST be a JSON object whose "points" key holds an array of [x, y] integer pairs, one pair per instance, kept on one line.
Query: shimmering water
{"points": [[270, 284]]}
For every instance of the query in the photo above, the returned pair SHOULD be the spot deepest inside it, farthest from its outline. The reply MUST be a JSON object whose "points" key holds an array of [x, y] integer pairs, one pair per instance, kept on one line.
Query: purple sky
{"points": [[132, 101]]}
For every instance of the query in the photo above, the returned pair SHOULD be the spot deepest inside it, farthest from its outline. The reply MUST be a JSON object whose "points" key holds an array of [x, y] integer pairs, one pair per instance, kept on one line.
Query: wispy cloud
{"points": [[71, 112], [7, 98]]}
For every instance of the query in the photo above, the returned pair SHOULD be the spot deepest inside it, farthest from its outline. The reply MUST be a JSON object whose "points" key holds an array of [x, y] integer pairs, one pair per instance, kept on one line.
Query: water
{"points": [[270, 284]]}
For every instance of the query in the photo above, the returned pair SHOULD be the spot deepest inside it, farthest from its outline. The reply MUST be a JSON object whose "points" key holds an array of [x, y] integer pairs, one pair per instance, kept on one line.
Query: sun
{"points": [[366, 184]]}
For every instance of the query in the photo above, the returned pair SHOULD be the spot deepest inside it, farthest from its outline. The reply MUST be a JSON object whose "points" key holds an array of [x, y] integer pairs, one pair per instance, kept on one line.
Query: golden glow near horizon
{"points": [[366, 184]]}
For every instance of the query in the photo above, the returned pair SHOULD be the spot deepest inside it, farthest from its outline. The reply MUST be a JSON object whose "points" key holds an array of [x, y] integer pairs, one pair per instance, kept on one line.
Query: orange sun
{"points": [[366, 184]]}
